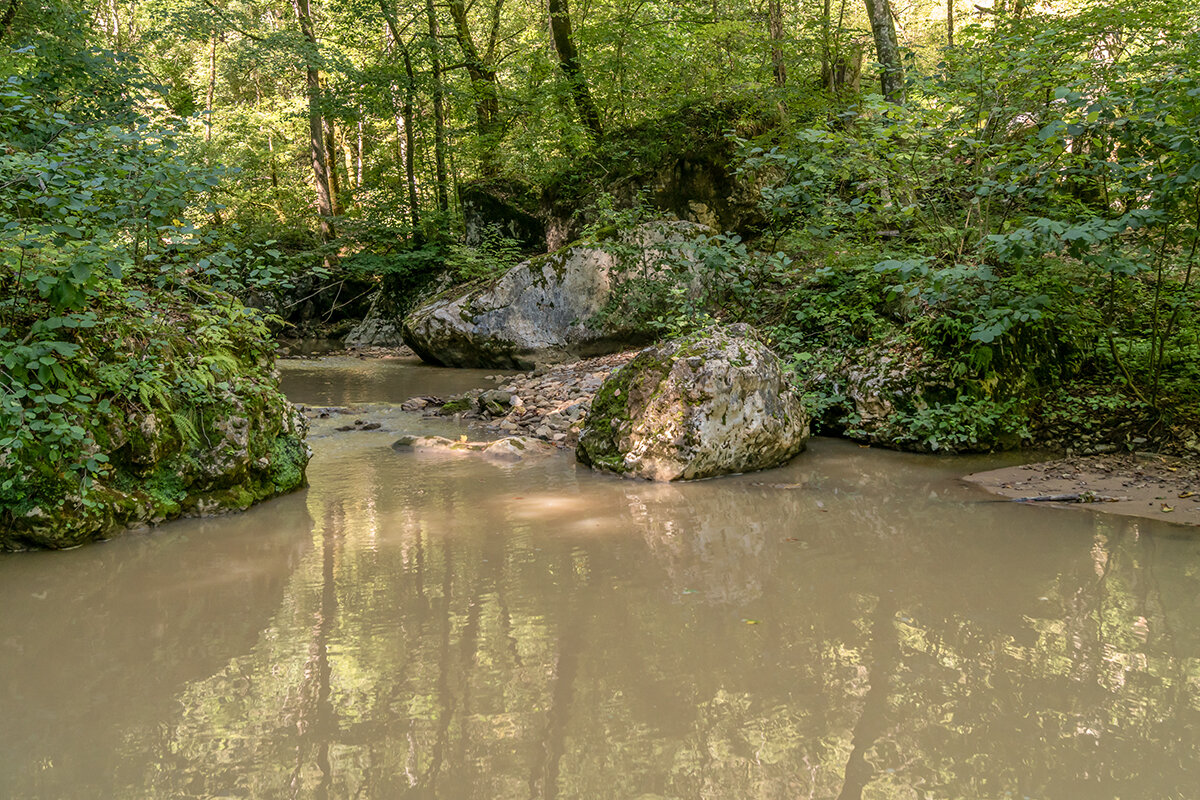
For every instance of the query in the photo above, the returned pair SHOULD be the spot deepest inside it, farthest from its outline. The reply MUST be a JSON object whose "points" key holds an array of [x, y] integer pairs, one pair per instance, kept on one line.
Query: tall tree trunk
{"points": [[348, 158], [274, 176], [335, 183], [827, 47], [887, 48], [842, 64], [316, 136], [212, 86], [950, 23], [358, 154], [414, 202], [775, 16], [208, 104], [483, 84], [568, 57], [404, 118], [439, 114]]}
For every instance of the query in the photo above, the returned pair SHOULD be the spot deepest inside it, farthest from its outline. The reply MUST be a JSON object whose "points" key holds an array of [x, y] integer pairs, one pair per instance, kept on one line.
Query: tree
{"points": [[312, 82], [484, 84], [775, 20], [439, 111], [568, 56], [887, 49]]}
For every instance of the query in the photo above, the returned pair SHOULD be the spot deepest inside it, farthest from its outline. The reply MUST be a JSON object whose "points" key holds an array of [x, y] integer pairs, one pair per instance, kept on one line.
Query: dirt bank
{"points": [[1142, 485]]}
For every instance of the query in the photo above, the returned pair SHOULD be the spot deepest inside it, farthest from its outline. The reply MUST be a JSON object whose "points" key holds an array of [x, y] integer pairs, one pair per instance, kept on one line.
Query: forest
{"points": [[1001, 202], [837, 277]]}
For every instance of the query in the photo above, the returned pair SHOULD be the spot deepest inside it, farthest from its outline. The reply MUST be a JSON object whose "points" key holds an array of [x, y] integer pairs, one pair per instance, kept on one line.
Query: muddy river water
{"points": [[858, 624]]}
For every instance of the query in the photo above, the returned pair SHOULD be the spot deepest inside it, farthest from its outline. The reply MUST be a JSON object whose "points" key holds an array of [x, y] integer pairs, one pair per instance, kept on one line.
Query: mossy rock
{"points": [[235, 443], [713, 403]]}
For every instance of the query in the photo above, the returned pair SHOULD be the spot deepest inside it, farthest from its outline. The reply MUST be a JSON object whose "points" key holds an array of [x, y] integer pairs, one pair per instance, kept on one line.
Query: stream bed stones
{"points": [[549, 403]]}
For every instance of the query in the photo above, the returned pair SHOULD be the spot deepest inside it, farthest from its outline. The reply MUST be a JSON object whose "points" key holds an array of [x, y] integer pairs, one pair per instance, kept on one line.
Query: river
{"points": [[857, 624]]}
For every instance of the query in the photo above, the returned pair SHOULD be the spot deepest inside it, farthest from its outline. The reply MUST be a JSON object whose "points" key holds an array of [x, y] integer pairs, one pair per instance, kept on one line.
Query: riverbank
{"points": [[1159, 487], [155, 404], [552, 403]]}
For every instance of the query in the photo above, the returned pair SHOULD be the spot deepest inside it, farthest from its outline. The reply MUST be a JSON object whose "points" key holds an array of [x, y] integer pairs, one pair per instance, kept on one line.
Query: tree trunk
{"points": [[208, 105], [274, 176], [348, 159], [950, 23], [826, 47], [568, 57], [834, 79], [404, 114], [483, 84], [358, 155], [316, 137], [212, 86], [887, 48], [414, 204], [775, 14], [439, 114], [335, 183]]}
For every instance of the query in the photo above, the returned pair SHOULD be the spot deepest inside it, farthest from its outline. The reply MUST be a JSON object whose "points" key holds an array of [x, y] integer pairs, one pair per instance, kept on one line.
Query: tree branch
{"points": [[221, 13]]}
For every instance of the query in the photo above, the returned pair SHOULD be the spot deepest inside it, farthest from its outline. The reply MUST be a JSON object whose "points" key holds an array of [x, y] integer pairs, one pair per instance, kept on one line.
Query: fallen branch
{"points": [[1082, 497]]}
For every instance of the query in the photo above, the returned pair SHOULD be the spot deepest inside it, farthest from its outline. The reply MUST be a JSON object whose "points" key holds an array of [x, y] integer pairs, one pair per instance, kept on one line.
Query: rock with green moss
{"points": [[713, 403], [179, 420], [544, 309], [243, 457]]}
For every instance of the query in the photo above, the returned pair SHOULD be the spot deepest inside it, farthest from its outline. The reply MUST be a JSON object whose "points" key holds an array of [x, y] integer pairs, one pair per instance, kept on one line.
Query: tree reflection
{"points": [[867, 635]]}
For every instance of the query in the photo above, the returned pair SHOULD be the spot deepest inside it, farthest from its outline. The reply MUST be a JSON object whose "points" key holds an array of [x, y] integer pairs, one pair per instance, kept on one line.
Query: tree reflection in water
{"points": [[863, 628]]}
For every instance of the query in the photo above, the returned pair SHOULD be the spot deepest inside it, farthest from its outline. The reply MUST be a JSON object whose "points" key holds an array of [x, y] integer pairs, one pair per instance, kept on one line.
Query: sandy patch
{"points": [[1158, 487]]}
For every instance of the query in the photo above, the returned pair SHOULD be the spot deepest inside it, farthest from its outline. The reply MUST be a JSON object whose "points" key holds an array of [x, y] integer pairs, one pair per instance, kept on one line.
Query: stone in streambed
{"points": [[710, 404]]}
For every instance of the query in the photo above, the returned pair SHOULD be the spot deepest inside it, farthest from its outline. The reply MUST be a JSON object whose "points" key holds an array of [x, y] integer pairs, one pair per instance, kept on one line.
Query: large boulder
{"points": [[543, 310], [709, 404]]}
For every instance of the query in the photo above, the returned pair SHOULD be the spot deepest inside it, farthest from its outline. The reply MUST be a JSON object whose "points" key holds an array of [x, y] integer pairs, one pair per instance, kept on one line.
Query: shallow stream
{"points": [[858, 624]]}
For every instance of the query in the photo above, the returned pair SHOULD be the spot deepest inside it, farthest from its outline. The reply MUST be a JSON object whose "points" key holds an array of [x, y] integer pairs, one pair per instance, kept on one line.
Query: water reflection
{"points": [[345, 380], [856, 625], [96, 643]]}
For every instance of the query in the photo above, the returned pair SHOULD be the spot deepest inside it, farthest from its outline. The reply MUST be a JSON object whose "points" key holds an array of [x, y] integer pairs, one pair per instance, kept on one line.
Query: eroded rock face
{"points": [[379, 328], [709, 404], [542, 310], [883, 384]]}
